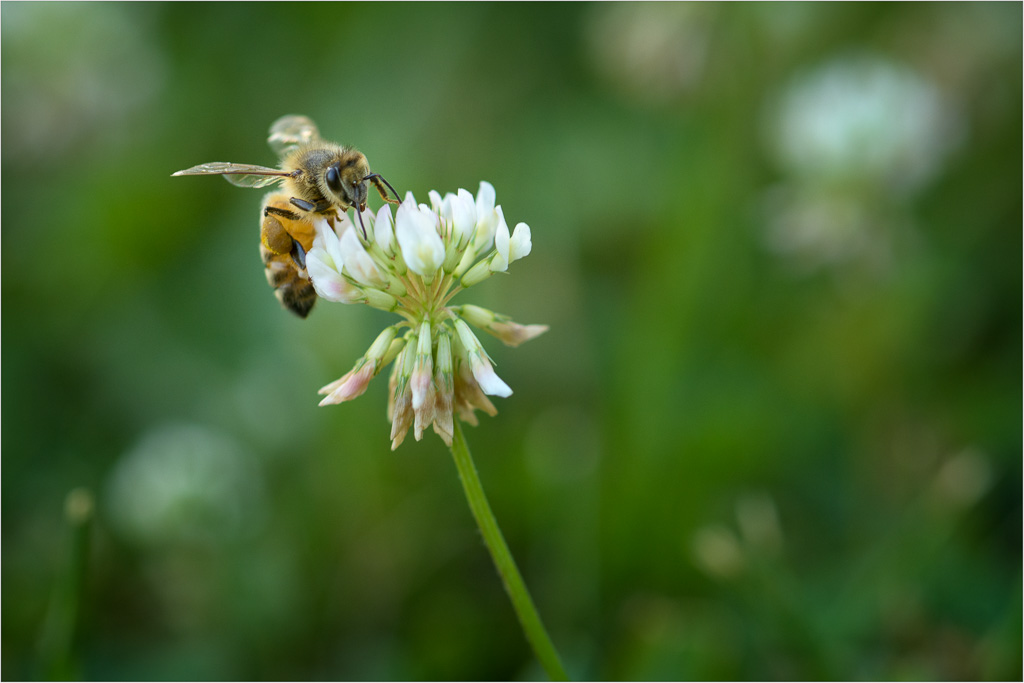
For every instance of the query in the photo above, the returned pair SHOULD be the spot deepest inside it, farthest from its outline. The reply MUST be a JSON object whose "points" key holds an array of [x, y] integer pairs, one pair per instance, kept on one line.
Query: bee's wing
{"points": [[288, 132], [242, 175]]}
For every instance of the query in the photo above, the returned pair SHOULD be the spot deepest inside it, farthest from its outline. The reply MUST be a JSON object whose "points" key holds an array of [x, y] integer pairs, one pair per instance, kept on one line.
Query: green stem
{"points": [[521, 601], [57, 642]]}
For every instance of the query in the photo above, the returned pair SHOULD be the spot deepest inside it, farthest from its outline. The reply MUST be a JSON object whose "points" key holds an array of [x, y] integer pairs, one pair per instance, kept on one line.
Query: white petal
{"points": [[521, 243], [487, 219], [435, 201], [497, 264], [485, 198], [383, 229], [417, 236], [366, 223], [328, 240], [486, 224], [463, 210], [468, 340], [487, 378], [501, 243], [358, 263], [327, 281]]}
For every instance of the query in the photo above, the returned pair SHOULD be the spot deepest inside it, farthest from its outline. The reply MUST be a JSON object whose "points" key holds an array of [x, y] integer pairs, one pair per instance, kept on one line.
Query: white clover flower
{"points": [[413, 265]]}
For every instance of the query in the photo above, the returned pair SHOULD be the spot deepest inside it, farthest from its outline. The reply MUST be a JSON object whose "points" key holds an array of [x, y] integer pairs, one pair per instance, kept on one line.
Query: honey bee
{"points": [[320, 179]]}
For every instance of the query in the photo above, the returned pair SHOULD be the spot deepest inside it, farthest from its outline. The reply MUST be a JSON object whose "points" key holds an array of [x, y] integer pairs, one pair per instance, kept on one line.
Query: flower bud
{"points": [[379, 299], [382, 343], [394, 349], [477, 274]]}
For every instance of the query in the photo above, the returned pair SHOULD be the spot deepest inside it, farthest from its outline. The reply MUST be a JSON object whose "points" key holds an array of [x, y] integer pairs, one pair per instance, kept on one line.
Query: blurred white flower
{"points": [[65, 92], [854, 136], [651, 51], [863, 118], [185, 482]]}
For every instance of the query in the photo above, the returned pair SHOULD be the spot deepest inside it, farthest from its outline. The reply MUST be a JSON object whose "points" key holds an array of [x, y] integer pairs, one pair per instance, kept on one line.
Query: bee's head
{"points": [[345, 181]]}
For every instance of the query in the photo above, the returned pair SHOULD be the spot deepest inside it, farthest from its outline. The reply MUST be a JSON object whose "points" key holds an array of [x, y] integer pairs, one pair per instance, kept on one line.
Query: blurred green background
{"points": [[773, 433]]}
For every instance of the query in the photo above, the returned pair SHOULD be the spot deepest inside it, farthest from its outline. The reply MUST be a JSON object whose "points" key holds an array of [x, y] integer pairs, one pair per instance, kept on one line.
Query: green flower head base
{"points": [[413, 264]]}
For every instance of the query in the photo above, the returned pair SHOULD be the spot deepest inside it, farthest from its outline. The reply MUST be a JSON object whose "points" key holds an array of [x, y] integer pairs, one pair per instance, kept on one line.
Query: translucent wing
{"points": [[242, 175], [288, 132]]}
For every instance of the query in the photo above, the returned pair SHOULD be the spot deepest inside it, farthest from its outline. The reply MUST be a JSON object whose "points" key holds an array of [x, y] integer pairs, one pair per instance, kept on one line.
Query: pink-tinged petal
{"points": [[514, 334], [424, 414], [352, 385], [423, 369], [402, 418], [328, 388]]}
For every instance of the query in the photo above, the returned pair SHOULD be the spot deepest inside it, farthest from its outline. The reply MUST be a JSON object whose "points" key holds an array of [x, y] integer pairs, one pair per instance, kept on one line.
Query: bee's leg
{"points": [[298, 254], [377, 179], [273, 236], [320, 206], [284, 213]]}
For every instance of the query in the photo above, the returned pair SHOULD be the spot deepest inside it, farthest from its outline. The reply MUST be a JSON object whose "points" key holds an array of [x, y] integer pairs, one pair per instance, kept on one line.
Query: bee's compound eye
{"points": [[333, 179]]}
